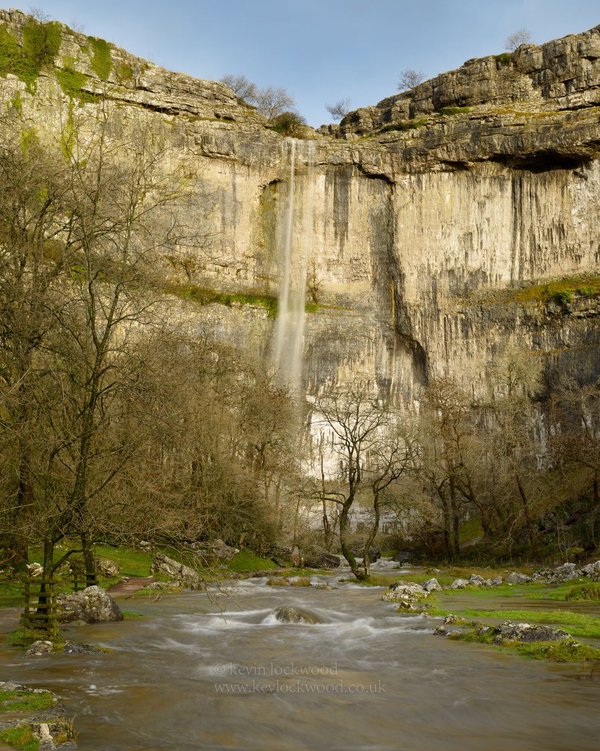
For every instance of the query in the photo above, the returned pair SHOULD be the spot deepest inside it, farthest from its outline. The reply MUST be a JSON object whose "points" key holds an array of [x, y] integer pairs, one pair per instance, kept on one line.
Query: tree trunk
{"points": [[455, 518], [372, 535], [344, 542], [528, 524]]}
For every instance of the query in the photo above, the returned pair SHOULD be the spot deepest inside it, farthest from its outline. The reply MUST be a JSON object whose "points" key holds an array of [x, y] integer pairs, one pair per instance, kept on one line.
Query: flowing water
{"points": [[295, 239], [221, 672]]}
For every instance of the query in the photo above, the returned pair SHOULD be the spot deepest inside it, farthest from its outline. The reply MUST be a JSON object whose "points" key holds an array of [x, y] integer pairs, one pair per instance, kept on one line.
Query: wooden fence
{"points": [[40, 613]]}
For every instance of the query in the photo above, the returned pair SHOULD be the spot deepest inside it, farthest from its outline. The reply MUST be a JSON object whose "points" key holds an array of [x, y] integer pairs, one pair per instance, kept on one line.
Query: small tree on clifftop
{"points": [[409, 78], [515, 40]]}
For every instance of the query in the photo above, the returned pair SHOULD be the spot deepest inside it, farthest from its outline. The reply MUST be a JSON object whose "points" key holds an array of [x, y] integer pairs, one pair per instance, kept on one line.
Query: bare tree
{"points": [[32, 262], [575, 443], [39, 14], [241, 87], [409, 78], [516, 39], [271, 102], [116, 191], [371, 457], [338, 110]]}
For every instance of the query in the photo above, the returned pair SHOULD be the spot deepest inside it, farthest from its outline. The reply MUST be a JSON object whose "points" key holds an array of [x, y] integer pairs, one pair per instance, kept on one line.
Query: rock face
{"points": [[423, 218], [92, 605]]}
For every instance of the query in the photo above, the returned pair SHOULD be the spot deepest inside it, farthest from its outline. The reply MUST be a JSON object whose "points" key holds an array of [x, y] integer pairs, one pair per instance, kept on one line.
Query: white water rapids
{"points": [[222, 673]]}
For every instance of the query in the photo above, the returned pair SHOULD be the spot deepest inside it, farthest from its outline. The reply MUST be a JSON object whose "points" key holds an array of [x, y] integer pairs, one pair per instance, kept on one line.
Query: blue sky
{"points": [[319, 50]]}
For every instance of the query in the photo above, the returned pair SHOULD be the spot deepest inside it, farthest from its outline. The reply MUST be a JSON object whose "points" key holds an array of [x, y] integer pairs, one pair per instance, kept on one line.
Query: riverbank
{"points": [[551, 614], [220, 669]]}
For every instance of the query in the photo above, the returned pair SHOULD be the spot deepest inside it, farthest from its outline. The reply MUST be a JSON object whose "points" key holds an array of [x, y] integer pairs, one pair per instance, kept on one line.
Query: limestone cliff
{"points": [[436, 217]]}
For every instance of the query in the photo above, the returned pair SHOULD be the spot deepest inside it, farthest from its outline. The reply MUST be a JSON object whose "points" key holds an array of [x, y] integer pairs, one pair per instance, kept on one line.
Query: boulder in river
{"points": [[407, 595], [42, 647], [39, 648], [91, 605], [288, 614]]}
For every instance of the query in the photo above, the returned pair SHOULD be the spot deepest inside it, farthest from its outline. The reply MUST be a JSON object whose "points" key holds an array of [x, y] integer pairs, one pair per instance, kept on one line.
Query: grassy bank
{"points": [[134, 562]]}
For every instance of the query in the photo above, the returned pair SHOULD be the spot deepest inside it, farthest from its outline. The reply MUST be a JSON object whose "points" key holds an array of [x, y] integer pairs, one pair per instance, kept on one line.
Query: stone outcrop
{"points": [[430, 212], [408, 596], [108, 568], [91, 605], [526, 633], [48, 723], [563, 74], [213, 552], [178, 572]]}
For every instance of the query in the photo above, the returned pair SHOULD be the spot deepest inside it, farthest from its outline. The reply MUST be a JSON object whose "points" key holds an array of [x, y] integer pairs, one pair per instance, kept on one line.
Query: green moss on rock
{"points": [[41, 41], [72, 81], [101, 58], [124, 72], [39, 47]]}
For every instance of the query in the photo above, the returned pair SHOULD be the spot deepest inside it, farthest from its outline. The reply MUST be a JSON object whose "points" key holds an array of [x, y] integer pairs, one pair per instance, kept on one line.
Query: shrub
{"points": [[403, 125], [563, 297], [288, 124], [503, 59]]}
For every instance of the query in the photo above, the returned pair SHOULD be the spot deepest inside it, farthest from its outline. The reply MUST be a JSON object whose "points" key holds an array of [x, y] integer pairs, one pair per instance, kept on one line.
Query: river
{"points": [[218, 671]]}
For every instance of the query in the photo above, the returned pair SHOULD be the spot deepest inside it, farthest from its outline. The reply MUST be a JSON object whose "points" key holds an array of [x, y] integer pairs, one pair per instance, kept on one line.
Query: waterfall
{"points": [[295, 242]]}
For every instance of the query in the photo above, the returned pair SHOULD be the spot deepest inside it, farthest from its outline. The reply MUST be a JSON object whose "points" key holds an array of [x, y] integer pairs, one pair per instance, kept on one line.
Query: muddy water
{"points": [[221, 672]]}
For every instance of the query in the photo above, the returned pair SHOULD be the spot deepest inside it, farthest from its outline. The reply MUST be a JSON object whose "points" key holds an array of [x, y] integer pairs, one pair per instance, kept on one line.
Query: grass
{"points": [[20, 738], [246, 561], [23, 638], [204, 296], [454, 110], [560, 291], [584, 592], [11, 594], [131, 561], [403, 125], [131, 615], [25, 701], [577, 624], [559, 651], [563, 651]]}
